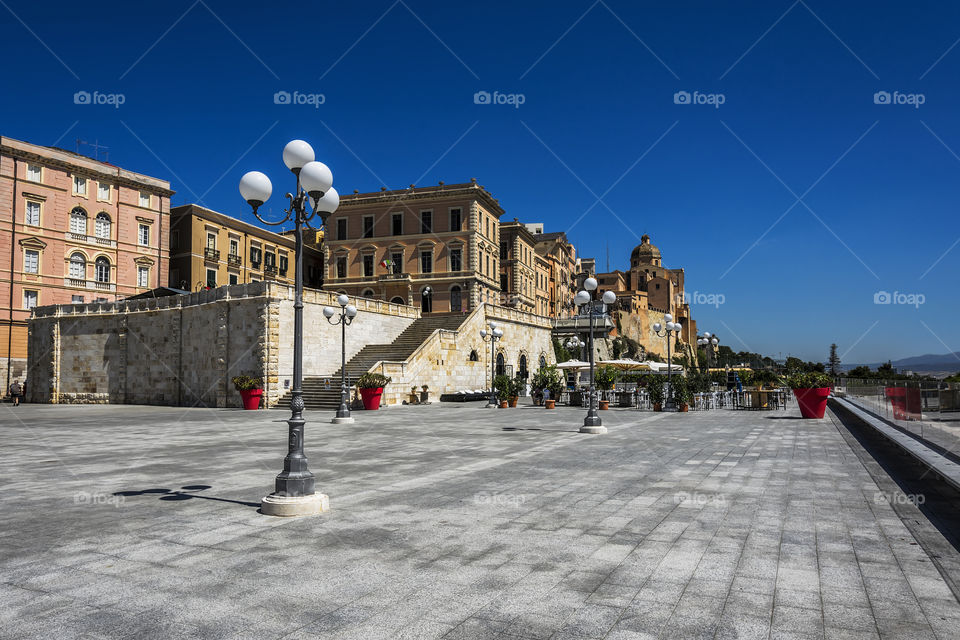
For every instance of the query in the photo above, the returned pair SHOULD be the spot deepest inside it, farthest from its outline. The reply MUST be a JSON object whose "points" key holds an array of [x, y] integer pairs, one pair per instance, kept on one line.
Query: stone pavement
{"points": [[453, 521]]}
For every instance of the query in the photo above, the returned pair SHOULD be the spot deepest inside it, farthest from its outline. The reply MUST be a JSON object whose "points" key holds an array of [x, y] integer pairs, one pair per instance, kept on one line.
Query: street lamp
{"points": [[493, 336], [347, 313], [295, 493], [584, 298], [667, 330], [708, 341]]}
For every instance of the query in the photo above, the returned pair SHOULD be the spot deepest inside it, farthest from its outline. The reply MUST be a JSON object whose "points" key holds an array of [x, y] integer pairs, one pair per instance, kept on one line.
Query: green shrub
{"points": [[655, 387], [246, 383], [605, 377], [809, 380], [680, 390], [373, 381], [503, 386]]}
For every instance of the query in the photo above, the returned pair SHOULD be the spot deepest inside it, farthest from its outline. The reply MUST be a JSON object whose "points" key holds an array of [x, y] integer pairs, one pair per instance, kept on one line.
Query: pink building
{"points": [[72, 230]]}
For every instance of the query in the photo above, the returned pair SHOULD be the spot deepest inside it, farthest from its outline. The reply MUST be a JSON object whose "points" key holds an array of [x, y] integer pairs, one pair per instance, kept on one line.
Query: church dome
{"points": [[645, 253]]}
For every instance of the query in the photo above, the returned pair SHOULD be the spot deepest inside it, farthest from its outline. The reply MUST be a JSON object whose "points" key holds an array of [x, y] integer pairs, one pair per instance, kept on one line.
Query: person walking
{"points": [[16, 391]]}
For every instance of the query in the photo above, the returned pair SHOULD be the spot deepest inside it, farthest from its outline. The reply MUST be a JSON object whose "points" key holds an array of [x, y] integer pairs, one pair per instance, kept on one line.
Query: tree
{"points": [[834, 361]]}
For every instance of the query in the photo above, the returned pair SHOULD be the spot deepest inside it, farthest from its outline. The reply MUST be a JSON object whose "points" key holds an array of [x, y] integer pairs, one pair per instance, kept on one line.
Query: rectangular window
{"points": [[367, 226], [426, 222], [34, 173], [32, 216], [341, 267], [397, 222], [143, 235], [79, 186], [397, 260], [144, 199], [143, 276], [31, 261], [212, 278], [284, 263], [234, 247], [233, 278], [503, 282], [455, 221], [368, 266], [269, 259], [103, 192], [342, 229], [255, 256], [76, 299], [456, 260], [211, 240], [426, 262], [29, 299], [488, 264], [174, 239], [504, 250]]}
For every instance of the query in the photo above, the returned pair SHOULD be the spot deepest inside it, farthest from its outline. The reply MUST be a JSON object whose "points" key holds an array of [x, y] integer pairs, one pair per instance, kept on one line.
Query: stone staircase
{"points": [[315, 396]]}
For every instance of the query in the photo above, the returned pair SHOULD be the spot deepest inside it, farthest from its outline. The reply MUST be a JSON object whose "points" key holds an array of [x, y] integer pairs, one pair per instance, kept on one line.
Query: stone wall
{"points": [[183, 350], [443, 361]]}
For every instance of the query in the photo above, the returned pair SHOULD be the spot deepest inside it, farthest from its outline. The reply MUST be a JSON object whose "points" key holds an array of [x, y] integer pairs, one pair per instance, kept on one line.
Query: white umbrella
{"points": [[574, 364], [626, 364]]}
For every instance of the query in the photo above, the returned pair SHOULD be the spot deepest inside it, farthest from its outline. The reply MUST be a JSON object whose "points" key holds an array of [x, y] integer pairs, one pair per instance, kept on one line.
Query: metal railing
{"points": [[234, 260], [926, 409], [211, 254]]}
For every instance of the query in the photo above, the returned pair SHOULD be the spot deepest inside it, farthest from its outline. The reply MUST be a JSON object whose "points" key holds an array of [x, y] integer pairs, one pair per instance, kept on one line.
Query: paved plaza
{"points": [[456, 522]]}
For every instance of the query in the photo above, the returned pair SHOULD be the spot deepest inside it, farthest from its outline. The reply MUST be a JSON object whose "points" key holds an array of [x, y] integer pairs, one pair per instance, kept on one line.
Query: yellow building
{"points": [[210, 249]]}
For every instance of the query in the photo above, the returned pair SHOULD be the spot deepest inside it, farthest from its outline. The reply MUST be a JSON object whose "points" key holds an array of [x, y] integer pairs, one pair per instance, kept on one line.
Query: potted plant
{"points": [[812, 388], [517, 386], [605, 378], [424, 394], [413, 398], [549, 379], [371, 389], [680, 390], [503, 387], [557, 386], [540, 381], [251, 390], [655, 388]]}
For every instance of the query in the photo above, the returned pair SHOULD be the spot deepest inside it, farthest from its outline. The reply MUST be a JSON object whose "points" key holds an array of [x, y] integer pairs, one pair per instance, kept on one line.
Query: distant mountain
{"points": [[932, 362]]}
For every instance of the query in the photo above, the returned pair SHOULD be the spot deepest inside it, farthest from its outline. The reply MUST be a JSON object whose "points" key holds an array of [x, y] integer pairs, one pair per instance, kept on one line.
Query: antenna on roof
{"points": [[96, 149]]}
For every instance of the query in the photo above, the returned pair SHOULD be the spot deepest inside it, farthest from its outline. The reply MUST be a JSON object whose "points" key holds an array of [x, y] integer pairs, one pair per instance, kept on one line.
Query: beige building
{"points": [[209, 250], [75, 230], [645, 293], [560, 257], [436, 247], [518, 267]]}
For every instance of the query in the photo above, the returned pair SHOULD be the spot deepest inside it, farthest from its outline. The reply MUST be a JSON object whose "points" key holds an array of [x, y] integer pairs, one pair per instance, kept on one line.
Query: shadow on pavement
{"points": [[184, 493]]}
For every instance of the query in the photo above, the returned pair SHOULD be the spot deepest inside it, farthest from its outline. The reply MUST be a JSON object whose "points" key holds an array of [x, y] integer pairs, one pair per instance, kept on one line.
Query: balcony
{"points": [[76, 237], [234, 260], [395, 276], [103, 242], [104, 286], [78, 283], [211, 254], [269, 269]]}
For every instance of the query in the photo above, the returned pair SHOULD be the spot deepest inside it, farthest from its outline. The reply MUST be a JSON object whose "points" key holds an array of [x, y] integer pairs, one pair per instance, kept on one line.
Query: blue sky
{"points": [[790, 205]]}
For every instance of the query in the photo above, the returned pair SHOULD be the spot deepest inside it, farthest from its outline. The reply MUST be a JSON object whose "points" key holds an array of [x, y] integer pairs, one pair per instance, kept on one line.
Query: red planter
{"points": [[906, 402], [371, 398], [251, 398], [813, 402]]}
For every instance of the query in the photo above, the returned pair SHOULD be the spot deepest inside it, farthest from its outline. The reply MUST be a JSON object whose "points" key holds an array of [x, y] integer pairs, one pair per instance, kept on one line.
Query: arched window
{"points": [[367, 293], [78, 266], [501, 367], [102, 269], [473, 356], [78, 221], [102, 225], [543, 361], [398, 300], [522, 366], [456, 300]]}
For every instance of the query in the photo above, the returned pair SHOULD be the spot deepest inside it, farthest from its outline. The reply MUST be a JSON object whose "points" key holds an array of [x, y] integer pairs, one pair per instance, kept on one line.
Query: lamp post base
{"points": [[347, 420], [287, 506], [595, 429]]}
